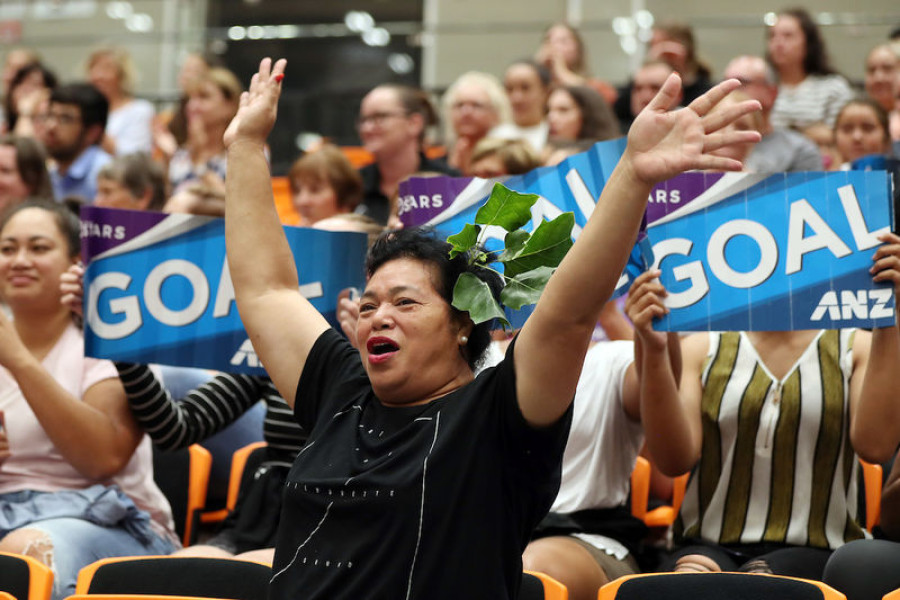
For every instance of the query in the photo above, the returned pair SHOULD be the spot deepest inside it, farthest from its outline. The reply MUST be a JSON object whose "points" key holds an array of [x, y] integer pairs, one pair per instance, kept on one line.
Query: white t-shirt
{"points": [[35, 463], [604, 442], [131, 126]]}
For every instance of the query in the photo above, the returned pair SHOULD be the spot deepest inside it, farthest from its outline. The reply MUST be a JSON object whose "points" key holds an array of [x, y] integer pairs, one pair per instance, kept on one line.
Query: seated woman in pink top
{"points": [[76, 480]]}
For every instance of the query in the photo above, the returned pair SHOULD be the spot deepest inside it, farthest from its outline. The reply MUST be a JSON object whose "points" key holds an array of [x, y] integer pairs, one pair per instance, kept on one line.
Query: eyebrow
{"points": [[397, 289], [33, 238]]}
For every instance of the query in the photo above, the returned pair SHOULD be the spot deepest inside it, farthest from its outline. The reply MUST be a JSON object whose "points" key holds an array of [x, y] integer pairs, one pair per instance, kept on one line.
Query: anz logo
{"points": [[859, 304], [247, 354]]}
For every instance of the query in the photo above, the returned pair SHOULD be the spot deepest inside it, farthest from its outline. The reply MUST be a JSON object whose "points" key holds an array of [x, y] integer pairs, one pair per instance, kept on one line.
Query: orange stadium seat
{"points": [[25, 578], [706, 586]]}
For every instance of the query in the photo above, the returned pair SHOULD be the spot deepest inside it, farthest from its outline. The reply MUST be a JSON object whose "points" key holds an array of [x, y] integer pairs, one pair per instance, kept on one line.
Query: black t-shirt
{"points": [[431, 501], [375, 204]]}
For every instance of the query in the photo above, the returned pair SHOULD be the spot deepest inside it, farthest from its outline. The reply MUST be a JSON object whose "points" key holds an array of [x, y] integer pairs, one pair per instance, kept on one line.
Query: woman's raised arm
{"points": [[661, 144], [281, 323]]}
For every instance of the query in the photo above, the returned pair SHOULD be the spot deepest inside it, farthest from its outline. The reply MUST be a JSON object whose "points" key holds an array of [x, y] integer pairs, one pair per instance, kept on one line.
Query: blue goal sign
{"points": [[157, 287], [737, 251]]}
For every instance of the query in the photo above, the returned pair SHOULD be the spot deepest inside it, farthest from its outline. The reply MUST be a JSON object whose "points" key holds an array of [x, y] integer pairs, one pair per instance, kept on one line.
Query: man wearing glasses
{"points": [[72, 129], [780, 149]]}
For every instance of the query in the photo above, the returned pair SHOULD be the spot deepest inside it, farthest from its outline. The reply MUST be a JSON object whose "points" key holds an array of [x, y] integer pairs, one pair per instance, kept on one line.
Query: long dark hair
{"points": [[816, 61], [31, 162]]}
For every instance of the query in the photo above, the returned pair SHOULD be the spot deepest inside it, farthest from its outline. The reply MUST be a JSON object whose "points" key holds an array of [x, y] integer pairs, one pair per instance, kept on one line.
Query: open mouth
{"points": [[381, 348]]}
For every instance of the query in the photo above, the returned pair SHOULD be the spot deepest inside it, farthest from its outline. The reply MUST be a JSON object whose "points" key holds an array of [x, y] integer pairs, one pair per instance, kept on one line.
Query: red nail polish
{"points": [[279, 77]]}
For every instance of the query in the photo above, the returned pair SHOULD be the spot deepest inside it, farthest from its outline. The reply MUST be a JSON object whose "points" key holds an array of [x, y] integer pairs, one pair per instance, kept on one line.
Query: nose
{"points": [[21, 258], [383, 318]]}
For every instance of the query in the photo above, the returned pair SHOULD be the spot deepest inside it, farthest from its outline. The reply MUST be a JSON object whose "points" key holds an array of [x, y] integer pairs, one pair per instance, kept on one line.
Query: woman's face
{"points": [[882, 76], [787, 43], [563, 115], [315, 199], [384, 126], [560, 42], [33, 255], [208, 103], [12, 188], [409, 341], [105, 75], [527, 95], [112, 194], [858, 133], [471, 112]]}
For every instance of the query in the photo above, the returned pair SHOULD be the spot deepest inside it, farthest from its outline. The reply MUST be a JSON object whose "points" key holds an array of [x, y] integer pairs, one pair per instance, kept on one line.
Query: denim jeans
{"points": [[84, 526]]}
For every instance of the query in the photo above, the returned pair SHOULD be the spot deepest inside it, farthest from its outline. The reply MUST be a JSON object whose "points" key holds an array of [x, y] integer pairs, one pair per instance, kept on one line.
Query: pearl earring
{"points": [[464, 339]]}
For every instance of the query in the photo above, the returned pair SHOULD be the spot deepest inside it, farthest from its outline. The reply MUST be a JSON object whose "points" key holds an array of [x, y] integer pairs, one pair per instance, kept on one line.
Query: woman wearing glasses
{"points": [[391, 124]]}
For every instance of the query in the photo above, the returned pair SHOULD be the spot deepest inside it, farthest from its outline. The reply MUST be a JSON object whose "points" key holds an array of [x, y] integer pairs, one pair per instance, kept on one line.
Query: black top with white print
{"points": [[431, 501]]}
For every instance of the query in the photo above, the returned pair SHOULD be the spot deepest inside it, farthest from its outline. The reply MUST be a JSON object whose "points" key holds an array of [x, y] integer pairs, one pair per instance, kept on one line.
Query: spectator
{"points": [[130, 124], [580, 113], [590, 537], [16, 58], [488, 448], [323, 184], [780, 149], [494, 157], [883, 83], [29, 92], [861, 129], [72, 129], [392, 123], [23, 171], [212, 102], [170, 129], [527, 86], [809, 90], [77, 479], [562, 51], [474, 105], [673, 43], [132, 182], [645, 84]]}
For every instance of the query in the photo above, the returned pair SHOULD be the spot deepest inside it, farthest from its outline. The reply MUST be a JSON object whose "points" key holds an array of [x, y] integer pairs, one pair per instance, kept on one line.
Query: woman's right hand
{"points": [[71, 285], [259, 105], [645, 303]]}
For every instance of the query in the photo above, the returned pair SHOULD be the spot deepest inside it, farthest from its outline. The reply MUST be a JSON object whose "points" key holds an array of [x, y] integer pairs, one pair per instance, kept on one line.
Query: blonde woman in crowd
{"points": [[129, 127]]}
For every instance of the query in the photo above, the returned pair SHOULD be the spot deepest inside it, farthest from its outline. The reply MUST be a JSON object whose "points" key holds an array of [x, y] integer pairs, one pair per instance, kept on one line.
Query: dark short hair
{"points": [[424, 245], [540, 70], [94, 105], [881, 115], [138, 172], [67, 221], [31, 162]]}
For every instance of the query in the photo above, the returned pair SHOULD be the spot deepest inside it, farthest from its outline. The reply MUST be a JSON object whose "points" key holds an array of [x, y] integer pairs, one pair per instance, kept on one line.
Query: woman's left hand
{"points": [[887, 261], [663, 143]]}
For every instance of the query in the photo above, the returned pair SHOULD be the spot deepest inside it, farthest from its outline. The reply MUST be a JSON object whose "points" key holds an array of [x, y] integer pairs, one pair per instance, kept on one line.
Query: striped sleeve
{"points": [[203, 412]]}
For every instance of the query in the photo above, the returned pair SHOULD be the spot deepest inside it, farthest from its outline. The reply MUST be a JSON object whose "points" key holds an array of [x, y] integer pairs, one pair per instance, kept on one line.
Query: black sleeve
{"points": [[530, 450], [333, 372], [205, 411]]}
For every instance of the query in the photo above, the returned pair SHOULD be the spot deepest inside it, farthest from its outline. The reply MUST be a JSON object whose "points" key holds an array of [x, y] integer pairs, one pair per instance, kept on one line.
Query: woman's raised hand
{"points": [[887, 261], [259, 105], [646, 303], [71, 286], [663, 143]]}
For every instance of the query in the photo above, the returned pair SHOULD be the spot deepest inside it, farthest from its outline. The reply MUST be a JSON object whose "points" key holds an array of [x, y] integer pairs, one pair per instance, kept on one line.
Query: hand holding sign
{"points": [[71, 286], [663, 143], [645, 303], [887, 261], [259, 105]]}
